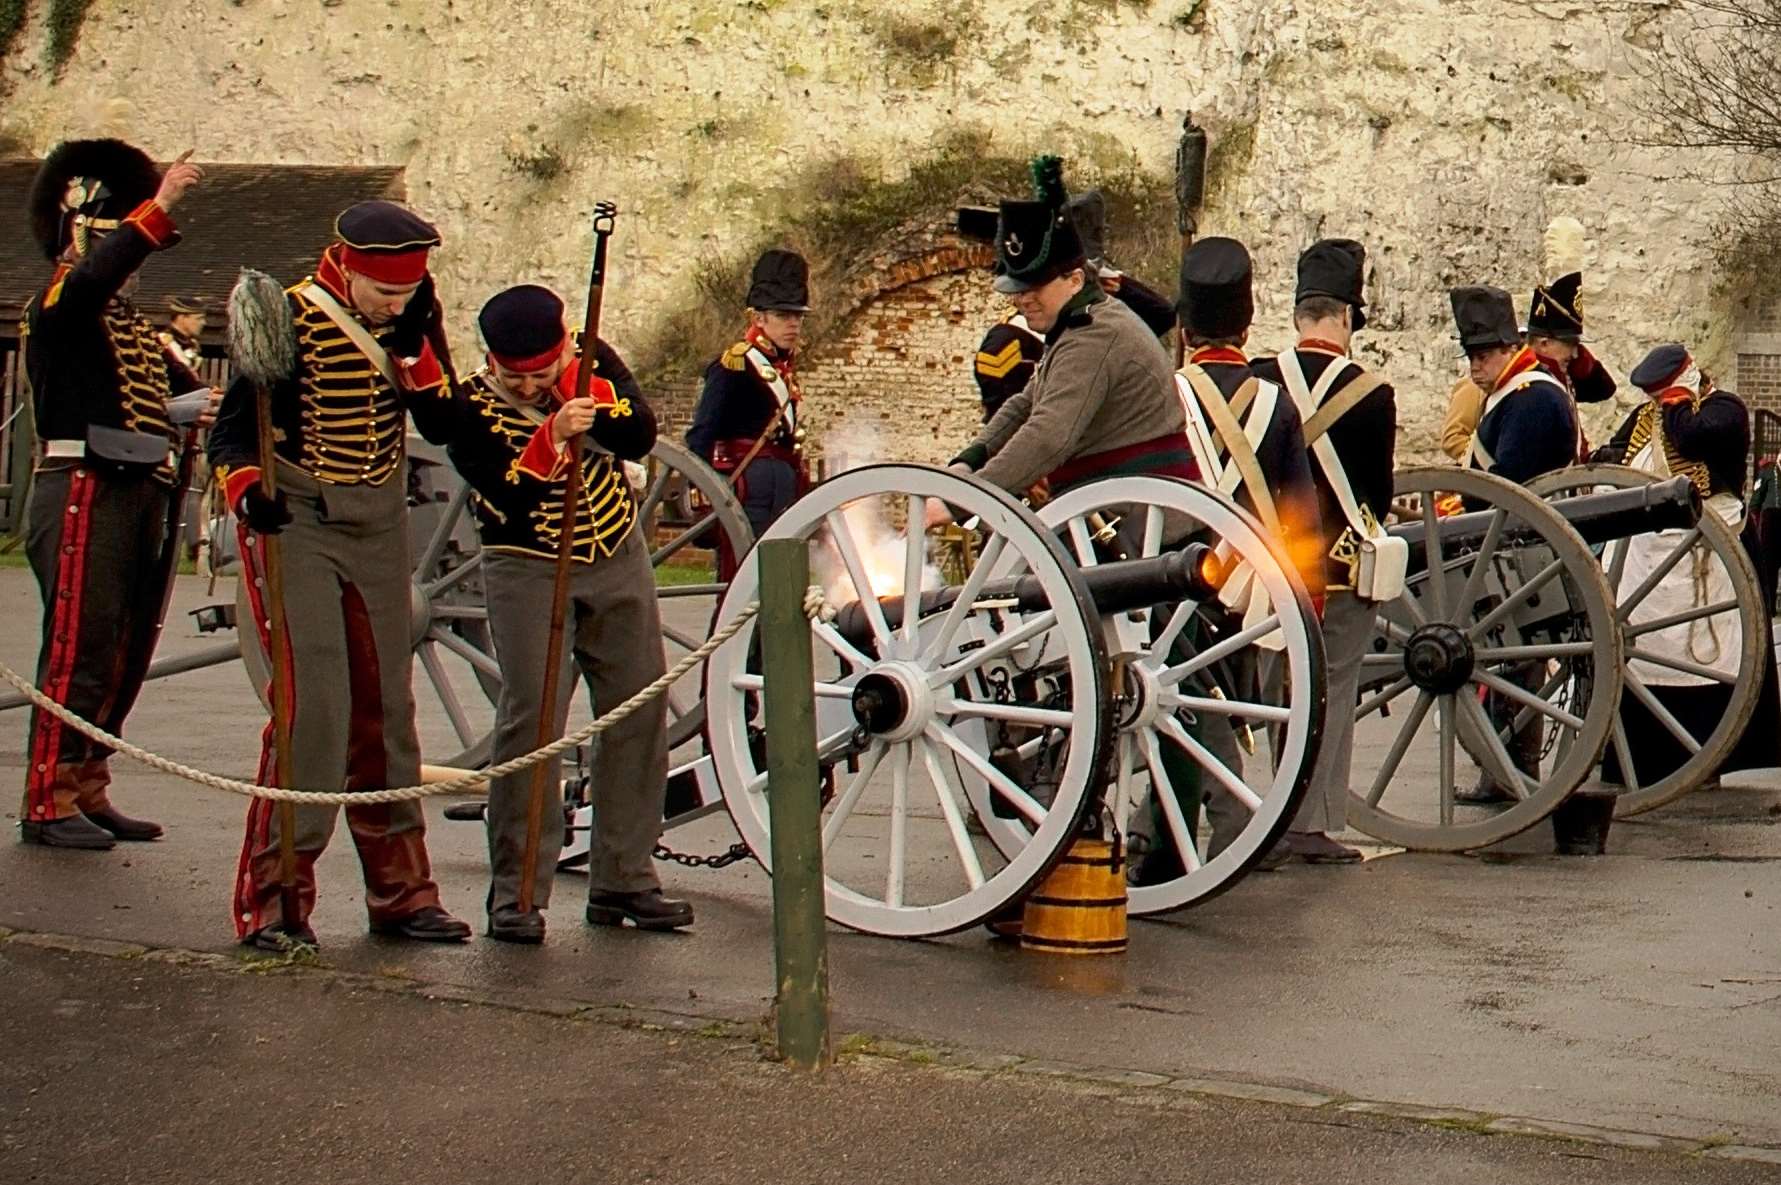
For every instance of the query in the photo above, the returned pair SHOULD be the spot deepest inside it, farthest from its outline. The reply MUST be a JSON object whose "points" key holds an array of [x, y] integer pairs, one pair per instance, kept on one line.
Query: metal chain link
{"points": [[734, 854]]}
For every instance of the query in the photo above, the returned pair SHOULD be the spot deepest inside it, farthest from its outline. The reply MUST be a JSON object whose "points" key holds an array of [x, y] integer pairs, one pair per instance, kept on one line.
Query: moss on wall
{"points": [[64, 20], [844, 212]]}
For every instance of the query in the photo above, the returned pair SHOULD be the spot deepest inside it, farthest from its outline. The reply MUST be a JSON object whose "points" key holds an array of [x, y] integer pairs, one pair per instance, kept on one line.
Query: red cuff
{"points": [[603, 393], [156, 224], [422, 374], [541, 458], [236, 483], [1583, 364]]}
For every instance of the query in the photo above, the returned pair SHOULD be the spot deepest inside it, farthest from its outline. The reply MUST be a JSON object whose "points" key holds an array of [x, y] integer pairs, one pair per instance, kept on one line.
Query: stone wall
{"points": [[1446, 134]]}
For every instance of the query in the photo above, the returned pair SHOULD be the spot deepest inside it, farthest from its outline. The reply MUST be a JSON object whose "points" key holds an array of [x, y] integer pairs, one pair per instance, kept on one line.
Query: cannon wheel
{"points": [[1153, 662], [901, 860], [449, 614], [1445, 641], [1745, 607]]}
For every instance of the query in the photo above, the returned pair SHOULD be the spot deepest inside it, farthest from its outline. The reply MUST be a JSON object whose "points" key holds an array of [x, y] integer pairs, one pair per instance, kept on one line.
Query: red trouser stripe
{"points": [[248, 917], [71, 572]]}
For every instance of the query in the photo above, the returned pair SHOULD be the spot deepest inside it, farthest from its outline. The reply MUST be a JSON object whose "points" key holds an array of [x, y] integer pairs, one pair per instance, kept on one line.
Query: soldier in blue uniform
{"points": [[1528, 427], [746, 424]]}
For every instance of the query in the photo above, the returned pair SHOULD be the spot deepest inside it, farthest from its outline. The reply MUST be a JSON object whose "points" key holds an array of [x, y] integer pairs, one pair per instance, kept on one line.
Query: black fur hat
{"points": [[87, 185]]}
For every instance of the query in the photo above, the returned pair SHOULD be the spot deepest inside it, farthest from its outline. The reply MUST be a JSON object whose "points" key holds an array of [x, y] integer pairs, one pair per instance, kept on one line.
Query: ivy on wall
{"points": [[65, 20], [12, 19]]}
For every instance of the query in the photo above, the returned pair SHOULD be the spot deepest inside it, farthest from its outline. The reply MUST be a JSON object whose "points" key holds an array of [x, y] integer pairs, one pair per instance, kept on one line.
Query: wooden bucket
{"points": [[1079, 908]]}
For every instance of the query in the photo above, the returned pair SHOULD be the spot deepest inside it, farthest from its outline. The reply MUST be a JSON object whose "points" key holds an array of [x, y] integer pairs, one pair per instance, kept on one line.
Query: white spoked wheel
{"points": [[903, 701], [1188, 692], [1714, 555], [1519, 612]]}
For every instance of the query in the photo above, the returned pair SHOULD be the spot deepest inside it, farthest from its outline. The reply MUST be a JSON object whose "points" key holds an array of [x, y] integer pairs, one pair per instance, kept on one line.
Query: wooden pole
{"points": [[271, 564], [794, 804], [604, 213]]}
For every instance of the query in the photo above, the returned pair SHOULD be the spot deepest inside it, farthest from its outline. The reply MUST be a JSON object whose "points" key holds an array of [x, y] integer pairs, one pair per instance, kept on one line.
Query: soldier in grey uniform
{"points": [[369, 352], [516, 417]]}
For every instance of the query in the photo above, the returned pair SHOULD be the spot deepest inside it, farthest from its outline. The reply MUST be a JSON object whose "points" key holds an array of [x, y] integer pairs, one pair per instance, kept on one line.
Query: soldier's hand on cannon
{"points": [[181, 175], [263, 515], [572, 419], [939, 514]]}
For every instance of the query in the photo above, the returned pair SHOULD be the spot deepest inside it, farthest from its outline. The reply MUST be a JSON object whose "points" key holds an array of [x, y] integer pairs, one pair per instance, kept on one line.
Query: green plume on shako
{"points": [[262, 336], [1048, 181]]}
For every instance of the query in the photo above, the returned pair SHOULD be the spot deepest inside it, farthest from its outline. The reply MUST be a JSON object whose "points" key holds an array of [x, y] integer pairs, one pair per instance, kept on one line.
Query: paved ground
{"points": [[486, 1094], [1639, 991]]}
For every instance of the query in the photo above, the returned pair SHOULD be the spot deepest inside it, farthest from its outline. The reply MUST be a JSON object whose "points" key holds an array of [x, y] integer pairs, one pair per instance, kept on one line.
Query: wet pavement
{"points": [[1641, 990], [300, 1077]]}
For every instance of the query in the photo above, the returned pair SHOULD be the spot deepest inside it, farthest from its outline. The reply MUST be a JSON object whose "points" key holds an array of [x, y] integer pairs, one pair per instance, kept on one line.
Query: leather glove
{"points": [[263, 515], [410, 330]]}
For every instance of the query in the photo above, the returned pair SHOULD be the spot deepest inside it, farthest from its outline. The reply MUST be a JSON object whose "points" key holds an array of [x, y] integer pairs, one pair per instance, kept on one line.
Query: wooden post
{"points": [[800, 941]]}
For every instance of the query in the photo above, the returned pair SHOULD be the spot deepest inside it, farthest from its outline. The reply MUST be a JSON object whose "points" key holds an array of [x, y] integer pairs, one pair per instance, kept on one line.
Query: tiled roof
{"points": [[276, 218]]}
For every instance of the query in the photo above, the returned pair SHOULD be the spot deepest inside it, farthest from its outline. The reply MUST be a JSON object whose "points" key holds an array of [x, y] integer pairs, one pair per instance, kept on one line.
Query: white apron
{"points": [[1698, 579]]}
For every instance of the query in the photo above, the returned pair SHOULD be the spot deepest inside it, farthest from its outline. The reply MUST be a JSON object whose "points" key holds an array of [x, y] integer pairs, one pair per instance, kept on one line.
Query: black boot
{"points": [[76, 831], [427, 924], [648, 910], [1580, 824], [122, 826], [508, 924]]}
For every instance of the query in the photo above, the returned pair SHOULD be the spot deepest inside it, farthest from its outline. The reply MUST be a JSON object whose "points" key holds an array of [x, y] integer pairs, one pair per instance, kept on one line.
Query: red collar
{"points": [[1524, 361], [331, 275], [1229, 355], [783, 361], [1317, 343]]}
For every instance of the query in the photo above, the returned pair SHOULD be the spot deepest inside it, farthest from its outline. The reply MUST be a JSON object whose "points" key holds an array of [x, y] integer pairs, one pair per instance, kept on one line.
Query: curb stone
{"points": [[1589, 1134], [977, 1062]]}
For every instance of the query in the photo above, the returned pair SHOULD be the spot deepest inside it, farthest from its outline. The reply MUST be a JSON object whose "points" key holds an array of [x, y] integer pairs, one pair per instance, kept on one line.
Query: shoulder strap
{"points": [[1341, 403], [765, 371], [1242, 453], [324, 300]]}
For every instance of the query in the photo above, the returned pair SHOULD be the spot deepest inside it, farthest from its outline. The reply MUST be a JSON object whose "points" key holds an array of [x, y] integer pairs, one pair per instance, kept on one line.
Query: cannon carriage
{"points": [[1530, 639]]}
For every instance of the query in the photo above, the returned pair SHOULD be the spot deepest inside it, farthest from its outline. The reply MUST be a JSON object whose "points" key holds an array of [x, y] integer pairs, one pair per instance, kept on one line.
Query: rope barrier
{"points": [[813, 608]]}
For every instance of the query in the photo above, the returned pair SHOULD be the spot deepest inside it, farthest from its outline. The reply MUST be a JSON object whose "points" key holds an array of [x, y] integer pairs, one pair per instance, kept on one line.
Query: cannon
{"points": [[1713, 551], [1507, 637], [1079, 675]]}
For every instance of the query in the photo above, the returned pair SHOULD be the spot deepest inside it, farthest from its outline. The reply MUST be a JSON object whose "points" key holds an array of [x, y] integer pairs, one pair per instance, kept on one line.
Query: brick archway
{"points": [[892, 379]]}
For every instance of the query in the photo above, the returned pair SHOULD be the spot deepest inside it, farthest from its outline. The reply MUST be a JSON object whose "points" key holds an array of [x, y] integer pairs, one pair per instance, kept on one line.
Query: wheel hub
{"points": [[1439, 659], [1145, 690], [893, 701], [420, 614]]}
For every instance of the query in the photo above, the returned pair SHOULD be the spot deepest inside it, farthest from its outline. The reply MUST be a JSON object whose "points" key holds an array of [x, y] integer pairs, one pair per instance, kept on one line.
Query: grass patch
{"points": [[264, 964], [693, 571]]}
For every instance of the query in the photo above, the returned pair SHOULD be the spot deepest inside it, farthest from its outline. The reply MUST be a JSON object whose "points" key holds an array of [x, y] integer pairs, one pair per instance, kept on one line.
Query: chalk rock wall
{"points": [[1446, 134]]}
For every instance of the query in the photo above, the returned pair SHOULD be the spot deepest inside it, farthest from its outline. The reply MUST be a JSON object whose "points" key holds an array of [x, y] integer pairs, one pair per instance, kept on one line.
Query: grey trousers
{"points": [[1347, 628], [346, 602], [614, 632]]}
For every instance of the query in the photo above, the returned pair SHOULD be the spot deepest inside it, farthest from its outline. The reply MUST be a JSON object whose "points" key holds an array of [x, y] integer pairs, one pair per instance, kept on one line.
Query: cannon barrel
{"points": [[1114, 587], [1599, 517]]}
